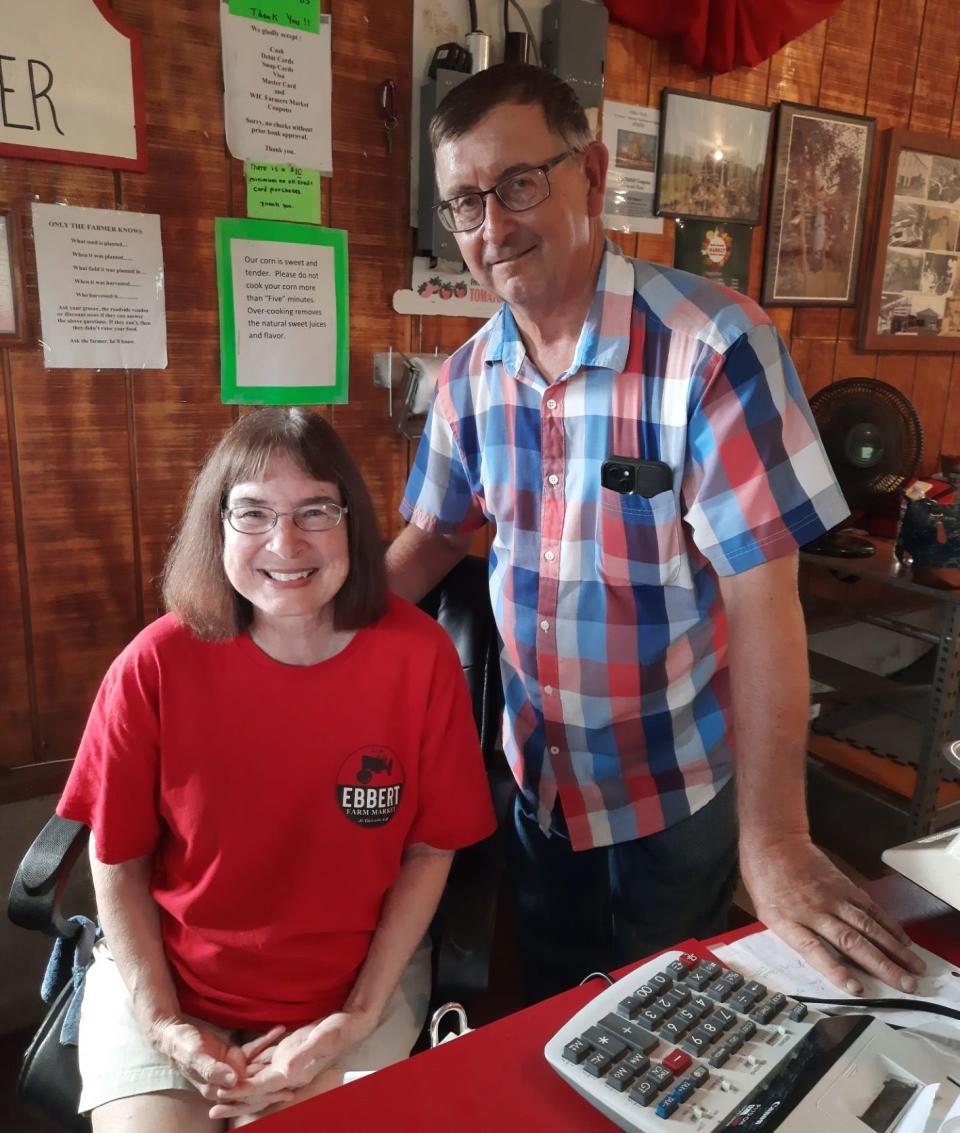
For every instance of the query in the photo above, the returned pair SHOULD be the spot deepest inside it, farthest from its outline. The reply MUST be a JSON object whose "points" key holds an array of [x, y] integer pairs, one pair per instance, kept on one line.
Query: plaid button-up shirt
{"points": [[614, 633]]}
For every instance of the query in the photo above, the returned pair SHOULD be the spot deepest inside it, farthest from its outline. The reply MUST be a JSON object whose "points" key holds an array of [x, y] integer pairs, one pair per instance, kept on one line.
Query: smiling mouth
{"points": [[289, 575], [513, 259]]}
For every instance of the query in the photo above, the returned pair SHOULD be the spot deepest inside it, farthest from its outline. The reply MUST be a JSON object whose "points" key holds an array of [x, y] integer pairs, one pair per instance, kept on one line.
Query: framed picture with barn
{"points": [[712, 159], [13, 315], [821, 178], [914, 297]]}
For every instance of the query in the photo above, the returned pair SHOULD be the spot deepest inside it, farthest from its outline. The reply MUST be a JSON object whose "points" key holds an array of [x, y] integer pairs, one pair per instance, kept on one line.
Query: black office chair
{"points": [[49, 1081]]}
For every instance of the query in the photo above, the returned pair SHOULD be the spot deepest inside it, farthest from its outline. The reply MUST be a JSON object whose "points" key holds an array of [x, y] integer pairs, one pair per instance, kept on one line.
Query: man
{"points": [[639, 630]]}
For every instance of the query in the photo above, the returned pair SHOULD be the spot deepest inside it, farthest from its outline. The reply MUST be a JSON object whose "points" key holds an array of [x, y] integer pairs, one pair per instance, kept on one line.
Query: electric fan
{"points": [[873, 438]]}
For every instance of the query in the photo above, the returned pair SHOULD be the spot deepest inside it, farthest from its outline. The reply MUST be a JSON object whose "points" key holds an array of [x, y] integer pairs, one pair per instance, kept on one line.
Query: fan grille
{"points": [[873, 438]]}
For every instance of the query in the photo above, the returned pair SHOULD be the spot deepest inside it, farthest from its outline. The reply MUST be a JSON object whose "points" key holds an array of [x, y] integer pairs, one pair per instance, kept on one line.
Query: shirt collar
{"points": [[605, 337]]}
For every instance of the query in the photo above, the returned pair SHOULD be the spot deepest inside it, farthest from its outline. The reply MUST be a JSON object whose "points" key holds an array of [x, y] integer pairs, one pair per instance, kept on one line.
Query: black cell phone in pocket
{"points": [[631, 476]]}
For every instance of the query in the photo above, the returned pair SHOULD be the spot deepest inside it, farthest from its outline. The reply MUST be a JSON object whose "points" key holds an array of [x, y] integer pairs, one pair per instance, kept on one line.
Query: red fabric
{"points": [[718, 35], [230, 770]]}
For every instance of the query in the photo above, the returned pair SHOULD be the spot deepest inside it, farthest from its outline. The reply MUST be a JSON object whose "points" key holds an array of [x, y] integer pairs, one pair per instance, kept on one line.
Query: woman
{"points": [[276, 775]]}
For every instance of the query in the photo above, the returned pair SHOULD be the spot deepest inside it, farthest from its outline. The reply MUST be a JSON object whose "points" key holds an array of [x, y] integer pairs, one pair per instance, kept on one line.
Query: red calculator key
{"points": [[677, 1061], [689, 960]]}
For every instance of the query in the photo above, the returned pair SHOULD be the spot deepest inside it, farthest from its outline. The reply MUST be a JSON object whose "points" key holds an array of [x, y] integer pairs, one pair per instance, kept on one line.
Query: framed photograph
{"points": [[12, 307], [714, 249], [821, 177], [713, 158], [914, 297]]}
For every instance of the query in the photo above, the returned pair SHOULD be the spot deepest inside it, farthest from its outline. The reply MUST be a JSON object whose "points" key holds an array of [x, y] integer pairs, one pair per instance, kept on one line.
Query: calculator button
{"points": [[666, 1106], [677, 969], [719, 990], [601, 1039], [797, 1012], [723, 1018], [689, 960], [701, 1006], [677, 996], [646, 992], [685, 1016], [719, 1056], [576, 1050], [637, 1061], [676, 1061], [661, 981], [695, 1043], [662, 1075], [743, 1002], [756, 989], [673, 1030], [732, 979], [644, 1091], [698, 979], [746, 1030], [778, 1000], [714, 1030], [699, 1074], [735, 1042], [763, 1013], [683, 1090], [621, 1078], [598, 1063], [652, 1016], [635, 1037], [706, 1031], [712, 968], [630, 1007]]}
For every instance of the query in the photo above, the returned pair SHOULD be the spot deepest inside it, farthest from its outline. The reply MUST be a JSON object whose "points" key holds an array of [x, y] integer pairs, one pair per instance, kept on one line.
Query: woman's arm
{"points": [[131, 926], [305, 1053]]}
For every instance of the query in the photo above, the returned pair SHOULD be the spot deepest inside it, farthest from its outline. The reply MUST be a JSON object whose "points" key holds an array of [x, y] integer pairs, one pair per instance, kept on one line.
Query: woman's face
{"points": [[288, 575]]}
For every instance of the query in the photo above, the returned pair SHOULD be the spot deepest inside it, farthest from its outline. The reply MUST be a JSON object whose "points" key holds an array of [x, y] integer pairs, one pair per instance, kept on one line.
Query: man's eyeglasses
{"points": [[254, 519], [518, 192]]}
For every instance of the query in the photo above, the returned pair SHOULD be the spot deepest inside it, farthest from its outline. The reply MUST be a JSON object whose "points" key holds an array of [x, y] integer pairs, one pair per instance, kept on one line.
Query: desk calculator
{"points": [[682, 1044]]}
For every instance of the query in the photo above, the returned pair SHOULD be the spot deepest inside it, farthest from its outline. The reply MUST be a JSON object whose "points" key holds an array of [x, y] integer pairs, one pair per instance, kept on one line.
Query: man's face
{"points": [[526, 258]]}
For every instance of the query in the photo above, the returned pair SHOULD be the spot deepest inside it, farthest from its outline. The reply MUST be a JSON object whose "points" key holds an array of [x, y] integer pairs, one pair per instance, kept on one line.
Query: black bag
{"points": [[928, 535]]}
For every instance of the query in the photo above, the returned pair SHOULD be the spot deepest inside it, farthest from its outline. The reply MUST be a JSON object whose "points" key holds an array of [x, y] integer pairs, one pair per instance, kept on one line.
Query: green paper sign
{"points": [[304, 15], [282, 192], [284, 313]]}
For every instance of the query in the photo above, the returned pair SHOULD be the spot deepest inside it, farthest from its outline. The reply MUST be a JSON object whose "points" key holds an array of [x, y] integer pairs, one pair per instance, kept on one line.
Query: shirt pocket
{"points": [[639, 541]]}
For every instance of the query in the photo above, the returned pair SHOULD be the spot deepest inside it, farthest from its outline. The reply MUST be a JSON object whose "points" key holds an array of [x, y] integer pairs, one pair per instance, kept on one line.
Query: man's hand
{"points": [[810, 904], [292, 1063]]}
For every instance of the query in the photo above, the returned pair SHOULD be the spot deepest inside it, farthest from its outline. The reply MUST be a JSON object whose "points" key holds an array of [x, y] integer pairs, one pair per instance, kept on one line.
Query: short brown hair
{"points": [[520, 83], [195, 585]]}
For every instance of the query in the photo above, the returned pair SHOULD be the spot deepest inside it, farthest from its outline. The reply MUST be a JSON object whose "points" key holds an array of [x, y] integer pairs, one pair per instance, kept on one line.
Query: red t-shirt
{"points": [[277, 800]]}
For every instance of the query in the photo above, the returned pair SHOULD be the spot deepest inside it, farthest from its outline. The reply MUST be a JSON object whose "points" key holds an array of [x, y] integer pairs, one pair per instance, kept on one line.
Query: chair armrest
{"points": [[35, 895]]}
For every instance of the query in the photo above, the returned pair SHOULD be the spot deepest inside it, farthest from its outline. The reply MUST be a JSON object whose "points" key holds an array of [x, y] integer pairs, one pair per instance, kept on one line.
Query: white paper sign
{"points": [[284, 299], [277, 92], [100, 278], [69, 89], [630, 134]]}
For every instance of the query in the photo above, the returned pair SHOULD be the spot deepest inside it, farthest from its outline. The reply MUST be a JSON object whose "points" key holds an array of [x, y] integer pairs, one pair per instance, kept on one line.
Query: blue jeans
{"points": [[596, 910]]}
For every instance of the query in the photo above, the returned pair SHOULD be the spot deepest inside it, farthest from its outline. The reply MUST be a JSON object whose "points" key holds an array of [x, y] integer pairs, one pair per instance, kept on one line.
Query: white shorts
{"points": [[116, 1061]]}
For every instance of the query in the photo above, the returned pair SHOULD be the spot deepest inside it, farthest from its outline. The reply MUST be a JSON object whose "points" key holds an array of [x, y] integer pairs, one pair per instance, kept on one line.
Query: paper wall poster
{"points": [[100, 279], [282, 192], [435, 292], [301, 14], [284, 313], [277, 91], [630, 134], [714, 249], [8, 312]]}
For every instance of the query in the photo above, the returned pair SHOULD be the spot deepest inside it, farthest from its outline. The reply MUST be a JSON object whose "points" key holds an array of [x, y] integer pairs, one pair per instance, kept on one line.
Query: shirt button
{"points": [[549, 556], [553, 478], [551, 404], [554, 751], [548, 689], [544, 625]]}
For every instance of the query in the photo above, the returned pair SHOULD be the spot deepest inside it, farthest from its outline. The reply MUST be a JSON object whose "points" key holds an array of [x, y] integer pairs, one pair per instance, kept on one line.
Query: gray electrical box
{"points": [[432, 238], [573, 45]]}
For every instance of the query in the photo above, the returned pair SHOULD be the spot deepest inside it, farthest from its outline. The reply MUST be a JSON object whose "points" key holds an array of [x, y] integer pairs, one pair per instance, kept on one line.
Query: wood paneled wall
{"points": [[94, 465]]}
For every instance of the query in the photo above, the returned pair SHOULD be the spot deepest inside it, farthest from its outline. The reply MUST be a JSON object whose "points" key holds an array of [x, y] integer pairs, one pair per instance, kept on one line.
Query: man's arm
{"points": [[796, 890], [417, 560]]}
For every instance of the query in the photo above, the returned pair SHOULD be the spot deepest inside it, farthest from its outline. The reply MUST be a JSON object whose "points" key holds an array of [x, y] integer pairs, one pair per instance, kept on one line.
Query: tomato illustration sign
{"points": [[435, 292]]}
